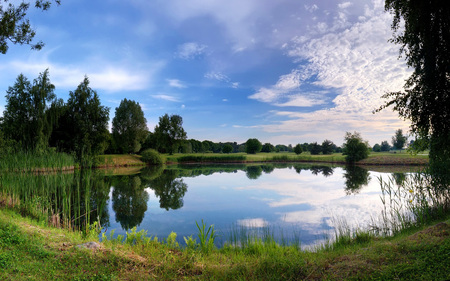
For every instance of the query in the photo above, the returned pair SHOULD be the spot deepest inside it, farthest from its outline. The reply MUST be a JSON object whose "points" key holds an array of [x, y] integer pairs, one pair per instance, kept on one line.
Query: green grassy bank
{"points": [[375, 158], [53, 161], [32, 251]]}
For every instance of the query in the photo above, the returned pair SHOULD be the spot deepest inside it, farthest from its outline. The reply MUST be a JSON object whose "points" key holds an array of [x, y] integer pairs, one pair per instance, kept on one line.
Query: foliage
{"points": [[169, 133], [152, 157], [298, 149], [315, 148], [385, 146], [15, 27], [399, 140], [27, 118], [327, 147], [355, 147], [267, 147], [206, 237], [421, 28], [253, 146], [376, 148], [129, 127], [227, 148], [86, 119]]}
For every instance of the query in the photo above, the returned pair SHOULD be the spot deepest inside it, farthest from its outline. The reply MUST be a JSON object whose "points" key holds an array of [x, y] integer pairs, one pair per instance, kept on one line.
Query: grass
{"points": [[36, 162], [118, 160], [31, 250], [375, 158]]}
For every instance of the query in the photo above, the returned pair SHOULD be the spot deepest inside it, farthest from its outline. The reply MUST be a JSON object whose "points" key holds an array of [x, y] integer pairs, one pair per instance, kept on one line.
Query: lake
{"points": [[295, 203], [291, 201]]}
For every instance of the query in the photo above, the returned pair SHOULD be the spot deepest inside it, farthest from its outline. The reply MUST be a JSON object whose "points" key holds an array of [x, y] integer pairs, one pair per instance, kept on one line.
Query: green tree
{"points": [[27, 119], [87, 120], [327, 147], [298, 149], [129, 127], [267, 147], [169, 133], [376, 148], [355, 147], [385, 146], [17, 112], [15, 27], [227, 148], [315, 148], [422, 29], [399, 140], [253, 146]]}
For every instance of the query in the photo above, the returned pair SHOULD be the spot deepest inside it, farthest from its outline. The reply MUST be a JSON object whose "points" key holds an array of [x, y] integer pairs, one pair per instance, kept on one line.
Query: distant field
{"points": [[375, 158]]}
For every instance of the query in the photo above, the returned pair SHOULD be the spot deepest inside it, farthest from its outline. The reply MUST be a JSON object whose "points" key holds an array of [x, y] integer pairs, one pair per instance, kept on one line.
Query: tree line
{"points": [[36, 120]]}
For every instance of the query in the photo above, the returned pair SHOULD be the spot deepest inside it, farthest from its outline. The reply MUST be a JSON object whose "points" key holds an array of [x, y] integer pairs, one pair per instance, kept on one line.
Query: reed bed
{"points": [[61, 199], [23, 161]]}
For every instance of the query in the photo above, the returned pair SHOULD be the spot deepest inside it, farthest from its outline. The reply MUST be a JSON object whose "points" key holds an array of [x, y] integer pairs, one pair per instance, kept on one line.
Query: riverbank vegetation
{"points": [[410, 242]]}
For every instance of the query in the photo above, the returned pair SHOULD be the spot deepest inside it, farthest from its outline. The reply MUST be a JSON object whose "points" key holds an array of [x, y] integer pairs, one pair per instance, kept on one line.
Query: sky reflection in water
{"points": [[295, 201]]}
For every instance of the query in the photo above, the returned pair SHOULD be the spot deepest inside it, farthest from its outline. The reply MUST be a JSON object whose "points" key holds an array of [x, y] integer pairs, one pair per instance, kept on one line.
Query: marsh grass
{"points": [[59, 199], [22, 161]]}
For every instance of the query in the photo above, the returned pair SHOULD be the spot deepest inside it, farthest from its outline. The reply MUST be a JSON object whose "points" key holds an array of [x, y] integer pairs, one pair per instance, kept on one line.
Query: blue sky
{"points": [[283, 71]]}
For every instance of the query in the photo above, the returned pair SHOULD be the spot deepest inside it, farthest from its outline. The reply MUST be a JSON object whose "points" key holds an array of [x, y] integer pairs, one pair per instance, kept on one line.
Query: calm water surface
{"points": [[290, 200]]}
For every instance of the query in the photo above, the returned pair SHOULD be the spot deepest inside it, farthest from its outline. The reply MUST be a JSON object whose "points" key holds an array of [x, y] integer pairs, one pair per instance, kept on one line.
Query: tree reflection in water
{"points": [[129, 201], [355, 178], [169, 189]]}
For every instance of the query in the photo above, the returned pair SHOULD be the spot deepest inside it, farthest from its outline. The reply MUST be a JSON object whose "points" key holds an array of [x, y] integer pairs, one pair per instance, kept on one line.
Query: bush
{"points": [[355, 147], [253, 146], [298, 149], [152, 157]]}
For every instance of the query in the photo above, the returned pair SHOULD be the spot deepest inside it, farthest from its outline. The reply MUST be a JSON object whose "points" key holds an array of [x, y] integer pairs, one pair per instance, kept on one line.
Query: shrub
{"points": [[298, 149], [152, 157], [355, 148]]}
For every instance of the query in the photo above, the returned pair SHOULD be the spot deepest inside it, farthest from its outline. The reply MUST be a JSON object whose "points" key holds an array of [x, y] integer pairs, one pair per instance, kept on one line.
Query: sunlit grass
{"points": [[36, 162]]}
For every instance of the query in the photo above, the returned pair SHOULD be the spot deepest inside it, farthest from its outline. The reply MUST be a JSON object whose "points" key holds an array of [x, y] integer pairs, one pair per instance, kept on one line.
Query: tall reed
{"points": [[50, 160]]}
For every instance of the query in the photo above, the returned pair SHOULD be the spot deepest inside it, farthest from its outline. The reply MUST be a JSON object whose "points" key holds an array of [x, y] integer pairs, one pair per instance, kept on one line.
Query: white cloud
{"points": [[190, 50], [359, 65], [166, 98], [344, 5], [286, 91], [175, 83], [301, 101], [217, 76], [102, 76], [311, 8]]}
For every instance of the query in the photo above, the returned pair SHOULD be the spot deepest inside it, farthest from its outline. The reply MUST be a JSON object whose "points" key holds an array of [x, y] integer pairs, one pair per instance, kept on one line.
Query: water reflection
{"points": [[170, 189], [283, 196], [129, 201], [355, 179]]}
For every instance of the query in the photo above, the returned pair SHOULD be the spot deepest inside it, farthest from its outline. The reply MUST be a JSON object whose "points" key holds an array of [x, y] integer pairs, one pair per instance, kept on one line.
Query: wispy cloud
{"points": [[190, 50], [358, 65], [217, 76], [109, 77], [286, 92], [166, 98], [175, 83]]}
